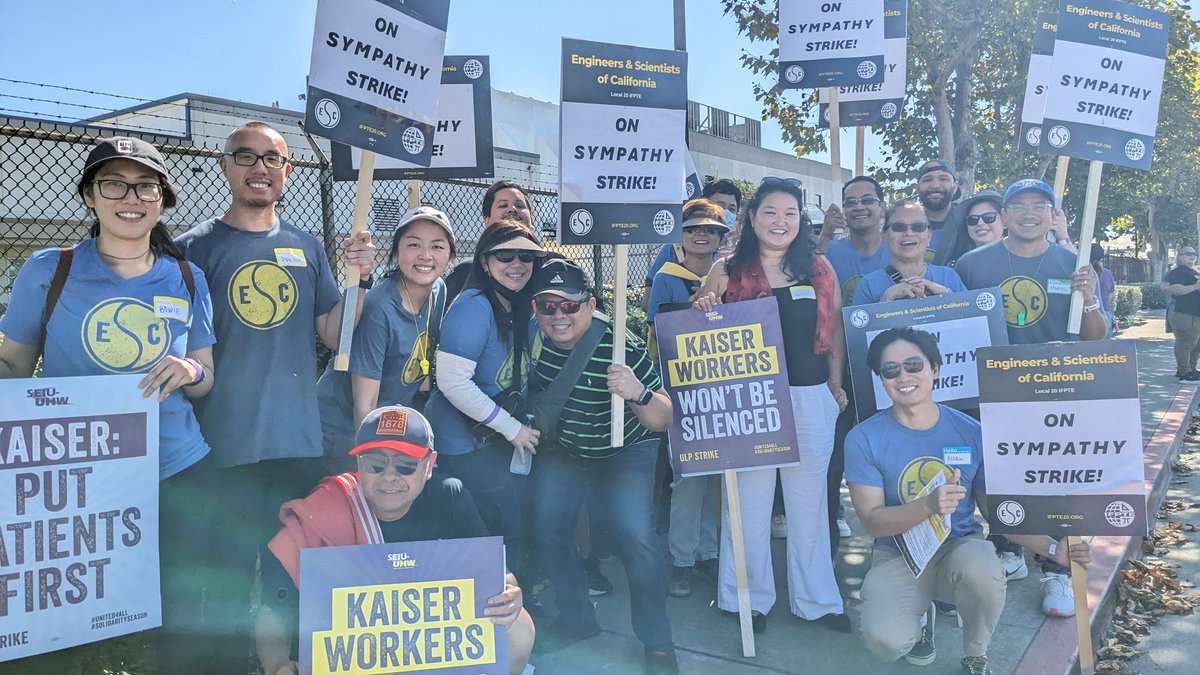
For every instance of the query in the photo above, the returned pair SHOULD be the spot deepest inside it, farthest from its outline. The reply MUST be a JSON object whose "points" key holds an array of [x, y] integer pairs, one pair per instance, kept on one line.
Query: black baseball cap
{"points": [[561, 277], [133, 149], [937, 165]]}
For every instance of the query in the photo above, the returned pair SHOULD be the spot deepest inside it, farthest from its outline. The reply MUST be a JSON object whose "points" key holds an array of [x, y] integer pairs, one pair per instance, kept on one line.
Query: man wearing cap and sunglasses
{"points": [[392, 497]]}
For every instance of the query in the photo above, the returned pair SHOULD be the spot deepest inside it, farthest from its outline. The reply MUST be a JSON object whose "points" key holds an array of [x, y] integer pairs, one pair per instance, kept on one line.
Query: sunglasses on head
{"points": [[905, 227], [549, 307], [891, 369], [769, 181], [704, 229], [989, 218], [375, 464], [509, 256]]}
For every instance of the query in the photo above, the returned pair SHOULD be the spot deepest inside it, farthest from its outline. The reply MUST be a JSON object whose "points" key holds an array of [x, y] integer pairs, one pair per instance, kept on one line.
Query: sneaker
{"points": [[923, 653], [975, 665], [598, 584], [681, 582], [1190, 377], [779, 527], [843, 527], [1058, 598], [661, 662], [557, 636], [1014, 565], [709, 568], [946, 608]]}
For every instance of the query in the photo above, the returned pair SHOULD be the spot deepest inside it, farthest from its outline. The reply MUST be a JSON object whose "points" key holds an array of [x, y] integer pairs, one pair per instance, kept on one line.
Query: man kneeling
{"points": [[890, 459], [404, 503]]}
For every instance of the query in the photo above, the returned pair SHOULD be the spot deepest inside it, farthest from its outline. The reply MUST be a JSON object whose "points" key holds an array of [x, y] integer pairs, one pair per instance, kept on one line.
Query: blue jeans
{"points": [[624, 486]]}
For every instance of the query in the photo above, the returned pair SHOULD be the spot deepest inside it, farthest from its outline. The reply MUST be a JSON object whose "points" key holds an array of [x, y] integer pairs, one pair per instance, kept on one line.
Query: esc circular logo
{"points": [[1059, 136], [1010, 513], [793, 74], [1119, 514], [262, 294], [328, 113], [1033, 136], [473, 69], [413, 140], [580, 222], [867, 69], [859, 318], [122, 335], [664, 222], [1024, 301]]}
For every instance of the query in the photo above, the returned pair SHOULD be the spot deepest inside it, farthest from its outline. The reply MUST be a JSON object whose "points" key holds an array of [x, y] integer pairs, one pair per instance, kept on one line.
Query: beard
{"points": [[934, 201]]}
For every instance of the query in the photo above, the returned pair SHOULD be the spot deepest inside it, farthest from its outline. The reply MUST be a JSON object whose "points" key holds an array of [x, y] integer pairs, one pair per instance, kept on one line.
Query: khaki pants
{"points": [[1187, 341], [964, 571]]}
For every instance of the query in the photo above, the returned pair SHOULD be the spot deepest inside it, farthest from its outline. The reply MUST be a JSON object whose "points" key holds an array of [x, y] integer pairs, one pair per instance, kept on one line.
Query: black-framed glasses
{"points": [[549, 307], [705, 229], [900, 228], [769, 181], [376, 464], [117, 189], [989, 218], [509, 256], [1041, 208], [865, 201], [891, 369], [247, 158]]}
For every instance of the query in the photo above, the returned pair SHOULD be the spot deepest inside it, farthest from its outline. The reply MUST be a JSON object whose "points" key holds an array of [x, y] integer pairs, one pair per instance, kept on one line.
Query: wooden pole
{"points": [[1090, 202], [414, 194], [1060, 179], [860, 138], [835, 141], [350, 274], [1087, 653], [620, 284], [739, 562]]}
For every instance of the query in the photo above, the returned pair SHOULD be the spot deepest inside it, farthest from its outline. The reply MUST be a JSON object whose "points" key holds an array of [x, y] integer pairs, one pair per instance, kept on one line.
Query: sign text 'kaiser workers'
{"points": [[623, 132], [79, 503], [829, 44], [727, 377], [374, 75], [863, 105], [1062, 438]]}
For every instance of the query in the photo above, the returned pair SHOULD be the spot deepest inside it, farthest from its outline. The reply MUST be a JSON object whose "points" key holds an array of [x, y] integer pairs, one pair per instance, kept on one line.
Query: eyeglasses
{"points": [[509, 256], [117, 189], [899, 228], [1041, 208], [989, 218], [704, 229], [247, 158], [891, 369], [865, 201], [549, 307], [769, 181], [375, 464]]}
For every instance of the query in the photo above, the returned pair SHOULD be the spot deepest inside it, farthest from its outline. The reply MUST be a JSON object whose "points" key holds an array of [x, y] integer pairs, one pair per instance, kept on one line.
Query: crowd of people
{"points": [[500, 376]]}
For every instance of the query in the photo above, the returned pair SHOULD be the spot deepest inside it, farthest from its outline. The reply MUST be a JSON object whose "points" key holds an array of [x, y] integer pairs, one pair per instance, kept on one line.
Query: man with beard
{"points": [[938, 190]]}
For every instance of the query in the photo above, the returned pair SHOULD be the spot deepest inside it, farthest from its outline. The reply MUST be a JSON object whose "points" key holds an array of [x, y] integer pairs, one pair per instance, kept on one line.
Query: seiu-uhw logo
{"points": [[401, 560], [47, 396]]}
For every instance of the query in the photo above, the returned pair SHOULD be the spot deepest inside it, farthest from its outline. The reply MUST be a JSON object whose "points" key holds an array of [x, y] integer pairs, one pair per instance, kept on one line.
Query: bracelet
{"points": [[1094, 307], [199, 368], [1066, 240]]}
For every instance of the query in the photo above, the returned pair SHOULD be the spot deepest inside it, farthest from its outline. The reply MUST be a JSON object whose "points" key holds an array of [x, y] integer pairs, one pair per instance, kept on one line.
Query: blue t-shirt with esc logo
{"points": [[104, 325], [885, 454]]}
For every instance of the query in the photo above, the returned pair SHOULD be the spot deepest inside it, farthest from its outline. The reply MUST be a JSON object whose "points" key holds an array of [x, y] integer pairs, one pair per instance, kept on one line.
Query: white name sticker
{"points": [[166, 307], [290, 257], [956, 456], [803, 293], [1058, 286]]}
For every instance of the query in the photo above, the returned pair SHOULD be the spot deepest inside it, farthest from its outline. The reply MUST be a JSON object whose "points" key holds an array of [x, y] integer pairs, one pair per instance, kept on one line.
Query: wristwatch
{"points": [[645, 398]]}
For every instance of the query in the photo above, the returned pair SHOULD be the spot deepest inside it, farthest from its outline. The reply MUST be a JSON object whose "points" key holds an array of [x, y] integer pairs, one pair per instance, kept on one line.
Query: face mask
{"points": [[730, 218]]}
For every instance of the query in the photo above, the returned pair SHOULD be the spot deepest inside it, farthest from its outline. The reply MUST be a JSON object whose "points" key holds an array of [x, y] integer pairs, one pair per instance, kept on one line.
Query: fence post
{"points": [[325, 180]]}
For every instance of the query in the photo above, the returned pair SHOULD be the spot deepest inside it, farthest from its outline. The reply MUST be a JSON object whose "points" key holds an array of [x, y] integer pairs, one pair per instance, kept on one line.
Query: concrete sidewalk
{"points": [[708, 641]]}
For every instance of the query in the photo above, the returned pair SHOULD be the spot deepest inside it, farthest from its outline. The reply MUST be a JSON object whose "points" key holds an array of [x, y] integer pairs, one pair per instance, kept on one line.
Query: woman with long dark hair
{"points": [[774, 258]]}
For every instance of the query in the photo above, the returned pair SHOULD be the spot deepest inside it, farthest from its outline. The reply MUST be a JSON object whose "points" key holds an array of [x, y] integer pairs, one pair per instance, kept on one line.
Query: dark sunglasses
{"points": [[509, 256], [988, 218], [891, 369], [549, 307], [905, 227], [769, 181], [705, 229], [376, 464]]}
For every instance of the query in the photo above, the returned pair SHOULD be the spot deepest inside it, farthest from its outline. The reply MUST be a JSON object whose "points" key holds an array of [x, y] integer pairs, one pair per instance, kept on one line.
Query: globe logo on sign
{"points": [[867, 69], [689, 188], [664, 222], [985, 301], [859, 318], [1010, 513], [826, 115], [580, 222], [1033, 136], [473, 69], [793, 74], [1119, 514], [1059, 136], [1135, 149], [327, 112], [888, 111], [413, 140]]}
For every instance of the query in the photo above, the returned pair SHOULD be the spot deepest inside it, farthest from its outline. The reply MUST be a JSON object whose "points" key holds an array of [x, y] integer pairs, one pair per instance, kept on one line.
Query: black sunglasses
{"points": [[891, 369], [706, 229], [769, 181], [377, 464], [549, 307], [905, 227], [508, 256], [989, 218]]}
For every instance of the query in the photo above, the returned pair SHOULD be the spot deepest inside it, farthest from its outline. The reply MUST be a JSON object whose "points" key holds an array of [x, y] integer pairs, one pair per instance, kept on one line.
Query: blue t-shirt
{"points": [[874, 285], [883, 453], [270, 286], [665, 255], [851, 267], [469, 331], [389, 345], [104, 324]]}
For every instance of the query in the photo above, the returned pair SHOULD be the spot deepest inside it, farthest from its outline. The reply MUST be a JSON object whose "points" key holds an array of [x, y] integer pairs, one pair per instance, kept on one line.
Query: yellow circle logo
{"points": [[848, 289], [262, 294], [1024, 301], [916, 476], [413, 370], [122, 335]]}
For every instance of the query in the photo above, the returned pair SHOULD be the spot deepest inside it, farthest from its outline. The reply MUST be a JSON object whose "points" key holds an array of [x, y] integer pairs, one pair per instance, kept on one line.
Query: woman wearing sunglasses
{"points": [[396, 337], [477, 409], [130, 304], [907, 235], [774, 258], [981, 226]]}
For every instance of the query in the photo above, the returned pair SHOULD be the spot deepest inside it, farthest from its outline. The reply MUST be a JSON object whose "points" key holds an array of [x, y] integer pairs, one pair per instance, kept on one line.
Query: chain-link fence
{"points": [[41, 161]]}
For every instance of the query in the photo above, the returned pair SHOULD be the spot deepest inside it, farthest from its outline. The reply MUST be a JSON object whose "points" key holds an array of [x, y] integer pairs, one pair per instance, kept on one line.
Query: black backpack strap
{"points": [[185, 271], [57, 282]]}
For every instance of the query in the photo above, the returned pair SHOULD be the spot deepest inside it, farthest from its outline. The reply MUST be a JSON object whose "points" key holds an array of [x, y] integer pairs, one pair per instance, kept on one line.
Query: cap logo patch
{"points": [[392, 423], [124, 146], [557, 279]]}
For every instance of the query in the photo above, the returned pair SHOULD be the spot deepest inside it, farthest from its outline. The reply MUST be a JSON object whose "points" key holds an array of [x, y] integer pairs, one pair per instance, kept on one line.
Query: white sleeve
{"points": [[454, 375]]}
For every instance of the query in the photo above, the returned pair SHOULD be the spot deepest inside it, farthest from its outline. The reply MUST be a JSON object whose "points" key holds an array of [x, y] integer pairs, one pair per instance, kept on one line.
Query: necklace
{"points": [[1011, 274], [117, 257], [417, 315]]}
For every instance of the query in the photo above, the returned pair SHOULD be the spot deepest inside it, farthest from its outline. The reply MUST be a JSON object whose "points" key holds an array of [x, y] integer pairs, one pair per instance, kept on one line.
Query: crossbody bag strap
{"points": [[57, 282], [550, 401], [189, 281]]}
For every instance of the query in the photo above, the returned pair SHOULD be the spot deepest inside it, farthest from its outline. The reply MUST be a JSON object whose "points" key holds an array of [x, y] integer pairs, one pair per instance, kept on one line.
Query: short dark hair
{"points": [[864, 179], [920, 339], [724, 186], [489, 197], [902, 204]]}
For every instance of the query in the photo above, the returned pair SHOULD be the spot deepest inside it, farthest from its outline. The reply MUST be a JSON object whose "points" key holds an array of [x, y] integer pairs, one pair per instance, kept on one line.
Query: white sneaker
{"points": [[843, 527], [779, 527], [1059, 599], [1014, 565]]}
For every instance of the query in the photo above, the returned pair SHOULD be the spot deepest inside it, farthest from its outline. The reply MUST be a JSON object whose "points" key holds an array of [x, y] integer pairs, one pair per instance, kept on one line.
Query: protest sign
{"points": [[623, 133], [374, 75], [1105, 83], [1062, 439], [693, 185], [462, 146], [403, 607], [961, 322], [829, 44], [79, 502], [864, 105], [1037, 81], [727, 377]]}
